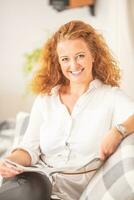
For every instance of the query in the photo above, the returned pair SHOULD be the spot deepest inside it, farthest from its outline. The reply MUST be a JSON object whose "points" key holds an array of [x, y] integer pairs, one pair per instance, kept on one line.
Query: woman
{"points": [[79, 111]]}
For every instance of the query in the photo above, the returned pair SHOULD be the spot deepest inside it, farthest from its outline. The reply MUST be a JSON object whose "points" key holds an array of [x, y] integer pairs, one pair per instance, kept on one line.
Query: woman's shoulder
{"points": [[113, 89], [117, 93], [40, 99], [114, 92], [43, 98]]}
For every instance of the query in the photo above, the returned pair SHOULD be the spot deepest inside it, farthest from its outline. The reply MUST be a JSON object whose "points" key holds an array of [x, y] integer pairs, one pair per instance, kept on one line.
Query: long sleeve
{"points": [[123, 106], [31, 139]]}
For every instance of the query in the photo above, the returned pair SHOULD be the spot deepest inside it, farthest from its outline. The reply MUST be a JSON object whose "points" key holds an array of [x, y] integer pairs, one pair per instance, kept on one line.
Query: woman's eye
{"points": [[64, 59], [81, 56]]}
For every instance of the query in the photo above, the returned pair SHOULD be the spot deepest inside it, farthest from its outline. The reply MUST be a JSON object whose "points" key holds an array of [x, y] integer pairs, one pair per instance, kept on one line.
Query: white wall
{"points": [[126, 44], [24, 25]]}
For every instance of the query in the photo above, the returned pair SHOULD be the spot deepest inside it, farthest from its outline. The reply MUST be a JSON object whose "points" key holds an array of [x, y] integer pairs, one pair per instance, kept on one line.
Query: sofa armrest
{"points": [[115, 179], [22, 120]]}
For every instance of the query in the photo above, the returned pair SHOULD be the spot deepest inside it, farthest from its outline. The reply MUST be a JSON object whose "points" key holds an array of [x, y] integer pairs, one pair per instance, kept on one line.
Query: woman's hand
{"points": [[109, 143], [7, 171]]}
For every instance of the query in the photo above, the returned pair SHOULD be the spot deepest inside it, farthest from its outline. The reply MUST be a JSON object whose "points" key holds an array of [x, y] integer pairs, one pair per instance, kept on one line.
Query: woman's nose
{"points": [[73, 64]]}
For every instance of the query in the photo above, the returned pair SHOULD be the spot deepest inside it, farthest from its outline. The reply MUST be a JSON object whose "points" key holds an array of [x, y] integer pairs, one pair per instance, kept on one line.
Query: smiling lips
{"points": [[76, 73]]}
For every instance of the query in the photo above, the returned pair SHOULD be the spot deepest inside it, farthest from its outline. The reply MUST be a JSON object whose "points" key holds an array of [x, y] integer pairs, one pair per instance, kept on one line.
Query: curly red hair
{"points": [[105, 68]]}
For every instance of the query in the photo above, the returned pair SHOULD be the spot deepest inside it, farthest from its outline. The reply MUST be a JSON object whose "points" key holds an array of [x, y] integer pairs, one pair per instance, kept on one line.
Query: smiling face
{"points": [[75, 60]]}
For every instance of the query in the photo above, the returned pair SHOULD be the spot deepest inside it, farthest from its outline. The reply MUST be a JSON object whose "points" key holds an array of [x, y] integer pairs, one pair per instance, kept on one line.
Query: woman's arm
{"points": [[129, 124], [21, 157], [28, 151], [113, 138]]}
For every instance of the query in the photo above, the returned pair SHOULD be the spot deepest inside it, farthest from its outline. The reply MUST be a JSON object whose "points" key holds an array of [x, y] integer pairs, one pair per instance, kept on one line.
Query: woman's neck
{"points": [[75, 89]]}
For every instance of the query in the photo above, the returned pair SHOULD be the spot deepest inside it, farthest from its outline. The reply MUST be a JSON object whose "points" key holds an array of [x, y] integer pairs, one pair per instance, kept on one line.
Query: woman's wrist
{"points": [[117, 133]]}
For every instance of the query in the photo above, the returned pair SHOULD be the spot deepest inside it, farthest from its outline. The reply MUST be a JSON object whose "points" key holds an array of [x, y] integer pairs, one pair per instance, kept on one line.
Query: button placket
{"points": [[82, 102]]}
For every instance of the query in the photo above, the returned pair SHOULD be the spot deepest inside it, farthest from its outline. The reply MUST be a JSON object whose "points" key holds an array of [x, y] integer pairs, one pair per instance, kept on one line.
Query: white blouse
{"points": [[62, 140]]}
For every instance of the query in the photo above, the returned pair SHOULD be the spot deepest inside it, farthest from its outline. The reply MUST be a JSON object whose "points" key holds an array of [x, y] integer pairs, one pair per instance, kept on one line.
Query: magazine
{"points": [[91, 166], [17, 166]]}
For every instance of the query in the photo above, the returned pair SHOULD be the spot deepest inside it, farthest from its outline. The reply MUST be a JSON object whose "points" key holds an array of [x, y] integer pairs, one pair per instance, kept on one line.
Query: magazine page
{"points": [[17, 166], [93, 164]]}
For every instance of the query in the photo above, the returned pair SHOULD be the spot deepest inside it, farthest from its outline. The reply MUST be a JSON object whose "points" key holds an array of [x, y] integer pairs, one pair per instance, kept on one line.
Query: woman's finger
{"points": [[8, 171]]}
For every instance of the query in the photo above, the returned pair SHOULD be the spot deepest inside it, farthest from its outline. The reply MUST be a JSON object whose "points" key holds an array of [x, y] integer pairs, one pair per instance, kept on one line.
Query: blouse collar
{"points": [[93, 84]]}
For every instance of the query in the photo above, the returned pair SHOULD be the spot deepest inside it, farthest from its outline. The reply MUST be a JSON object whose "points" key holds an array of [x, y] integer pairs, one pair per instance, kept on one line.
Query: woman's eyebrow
{"points": [[80, 52], [75, 54], [63, 56]]}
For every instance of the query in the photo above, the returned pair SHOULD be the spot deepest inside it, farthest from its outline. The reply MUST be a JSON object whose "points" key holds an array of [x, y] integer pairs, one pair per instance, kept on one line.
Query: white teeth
{"points": [[76, 72]]}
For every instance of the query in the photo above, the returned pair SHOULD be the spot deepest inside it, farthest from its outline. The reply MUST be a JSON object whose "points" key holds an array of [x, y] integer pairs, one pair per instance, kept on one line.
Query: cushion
{"points": [[115, 179], [15, 134], [22, 120], [7, 132]]}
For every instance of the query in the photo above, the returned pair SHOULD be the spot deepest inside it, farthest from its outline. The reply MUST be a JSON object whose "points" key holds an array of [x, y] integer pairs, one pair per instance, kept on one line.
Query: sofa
{"points": [[113, 181], [7, 133], [11, 133]]}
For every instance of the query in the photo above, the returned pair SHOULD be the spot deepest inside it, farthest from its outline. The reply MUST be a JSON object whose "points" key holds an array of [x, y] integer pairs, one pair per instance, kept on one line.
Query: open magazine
{"points": [[91, 166], [17, 166]]}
